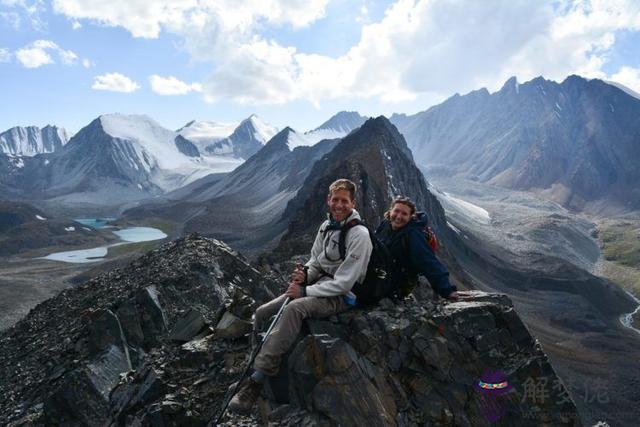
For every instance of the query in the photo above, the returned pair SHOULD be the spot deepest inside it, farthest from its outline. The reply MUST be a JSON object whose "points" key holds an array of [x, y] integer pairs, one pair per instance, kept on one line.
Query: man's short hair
{"points": [[344, 184]]}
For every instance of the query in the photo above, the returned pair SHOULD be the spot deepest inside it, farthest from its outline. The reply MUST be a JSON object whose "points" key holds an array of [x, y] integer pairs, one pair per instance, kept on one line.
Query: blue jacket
{"points": [[420, 260]]}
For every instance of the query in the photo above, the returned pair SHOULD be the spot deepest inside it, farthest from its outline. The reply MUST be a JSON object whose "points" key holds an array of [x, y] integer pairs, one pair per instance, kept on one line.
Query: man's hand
{"points": [[294, 291], [298, 276]]}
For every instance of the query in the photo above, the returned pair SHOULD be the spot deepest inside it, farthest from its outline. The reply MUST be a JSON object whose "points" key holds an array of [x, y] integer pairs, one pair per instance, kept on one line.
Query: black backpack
{"points": [[378, 283]]}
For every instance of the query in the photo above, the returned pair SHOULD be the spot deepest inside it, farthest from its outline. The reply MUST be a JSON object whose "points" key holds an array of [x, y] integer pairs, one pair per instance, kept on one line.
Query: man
{"points": [[320, 291]]}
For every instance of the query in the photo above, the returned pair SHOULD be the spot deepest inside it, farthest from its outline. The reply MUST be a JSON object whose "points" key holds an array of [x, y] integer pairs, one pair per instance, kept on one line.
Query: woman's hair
{"points": [[402, 200]]}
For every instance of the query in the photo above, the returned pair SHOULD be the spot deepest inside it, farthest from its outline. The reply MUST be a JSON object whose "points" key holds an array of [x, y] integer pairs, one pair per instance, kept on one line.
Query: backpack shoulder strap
{"points": [[342, 239]]}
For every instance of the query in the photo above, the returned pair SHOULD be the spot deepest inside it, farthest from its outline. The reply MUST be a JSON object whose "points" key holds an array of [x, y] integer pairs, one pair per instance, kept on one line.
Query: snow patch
{"points": [[558, 107], [147, 136], [263, 131], [208, 131], [318, 135], [454, 228], [468, 209], [17, 162], [557, 113], [612, 109], [70, 229], [41, 218], [295, 139]]}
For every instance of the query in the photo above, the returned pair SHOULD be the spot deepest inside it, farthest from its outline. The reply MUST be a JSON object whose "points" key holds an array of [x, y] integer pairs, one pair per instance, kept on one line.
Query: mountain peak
{"points": [[258, 129], [510, 85], [31, 140], [343, 121], [338, 126], [288, 138], [206, 132]]}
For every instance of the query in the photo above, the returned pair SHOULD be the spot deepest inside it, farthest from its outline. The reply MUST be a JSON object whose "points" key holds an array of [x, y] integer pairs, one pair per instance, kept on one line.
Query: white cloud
{"points": [[12, 18], [30, 10], [236, 78], [76, 25], [628, 76], [33, 57], [68, 57], [115, 82], [146, 18], [172, 86], [40, 52], [419, 47], [5, 55], [87, 63]]}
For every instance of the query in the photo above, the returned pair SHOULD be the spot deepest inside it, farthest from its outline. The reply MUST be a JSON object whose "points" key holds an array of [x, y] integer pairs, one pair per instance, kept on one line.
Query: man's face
{"points": [[400, 216], [340, 204]]}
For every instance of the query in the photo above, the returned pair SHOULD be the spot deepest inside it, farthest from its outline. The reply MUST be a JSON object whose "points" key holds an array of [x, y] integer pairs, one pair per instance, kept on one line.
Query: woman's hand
{"points": [[458, 295]]}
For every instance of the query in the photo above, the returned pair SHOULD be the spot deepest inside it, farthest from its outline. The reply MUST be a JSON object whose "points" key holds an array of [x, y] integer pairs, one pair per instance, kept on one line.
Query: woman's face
{"points": [[400, 216]]}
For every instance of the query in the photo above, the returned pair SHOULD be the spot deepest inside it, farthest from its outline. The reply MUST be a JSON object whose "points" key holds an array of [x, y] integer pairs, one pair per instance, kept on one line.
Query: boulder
{"points": [[231, 326]]}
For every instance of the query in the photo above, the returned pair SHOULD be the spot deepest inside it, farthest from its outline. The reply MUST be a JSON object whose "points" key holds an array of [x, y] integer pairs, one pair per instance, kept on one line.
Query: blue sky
{"points": [[294, 63]]}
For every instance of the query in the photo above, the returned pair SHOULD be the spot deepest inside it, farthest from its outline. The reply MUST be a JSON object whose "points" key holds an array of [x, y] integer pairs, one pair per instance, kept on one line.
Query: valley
{"points": [[547, 255], [31, 277]]}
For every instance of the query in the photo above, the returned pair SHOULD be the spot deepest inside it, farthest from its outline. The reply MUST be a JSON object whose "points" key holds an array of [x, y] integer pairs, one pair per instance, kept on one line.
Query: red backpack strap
{"points": [[432, 239]]}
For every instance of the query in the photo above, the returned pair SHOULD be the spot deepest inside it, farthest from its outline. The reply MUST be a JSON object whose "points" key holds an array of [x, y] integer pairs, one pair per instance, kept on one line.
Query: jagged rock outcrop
{"points": [[377, 159], [112, 352]]}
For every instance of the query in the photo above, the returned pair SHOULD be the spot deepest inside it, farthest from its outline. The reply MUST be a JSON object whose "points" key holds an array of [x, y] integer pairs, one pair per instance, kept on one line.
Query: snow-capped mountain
{"points": [[139, 146], [115, 158], [204, 133], [338, 126], [32, 140], [245, 140]]}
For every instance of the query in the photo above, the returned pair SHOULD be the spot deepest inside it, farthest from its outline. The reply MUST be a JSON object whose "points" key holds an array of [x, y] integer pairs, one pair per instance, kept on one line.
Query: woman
{"points": [[402, 232]]}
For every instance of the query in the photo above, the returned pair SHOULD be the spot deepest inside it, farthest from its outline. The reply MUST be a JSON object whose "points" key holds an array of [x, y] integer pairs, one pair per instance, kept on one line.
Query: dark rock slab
{"points": [[83, 398], [153, 318], [188, 326], [105, 331], [326, 378], [130, 321], [145, 387]]}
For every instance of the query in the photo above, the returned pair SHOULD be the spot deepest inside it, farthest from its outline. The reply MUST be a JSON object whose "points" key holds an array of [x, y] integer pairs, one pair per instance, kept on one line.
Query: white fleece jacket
{"points": [[325, 256]]}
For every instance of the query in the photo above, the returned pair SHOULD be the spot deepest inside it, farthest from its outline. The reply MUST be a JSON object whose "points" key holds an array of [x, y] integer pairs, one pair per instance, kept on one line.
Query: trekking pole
{"points": [[254, 354]]}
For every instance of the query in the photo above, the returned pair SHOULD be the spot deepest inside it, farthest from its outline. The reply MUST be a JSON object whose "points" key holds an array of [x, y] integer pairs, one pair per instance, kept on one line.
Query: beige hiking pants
{"points": [[288, 327]]}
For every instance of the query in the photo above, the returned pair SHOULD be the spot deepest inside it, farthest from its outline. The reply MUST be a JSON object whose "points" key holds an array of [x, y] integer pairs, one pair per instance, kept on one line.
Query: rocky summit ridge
{"points": [[160, 341]]}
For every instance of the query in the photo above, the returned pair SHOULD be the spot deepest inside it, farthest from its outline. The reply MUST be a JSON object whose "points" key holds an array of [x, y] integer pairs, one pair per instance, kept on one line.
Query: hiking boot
{"points": [[246, 397]]}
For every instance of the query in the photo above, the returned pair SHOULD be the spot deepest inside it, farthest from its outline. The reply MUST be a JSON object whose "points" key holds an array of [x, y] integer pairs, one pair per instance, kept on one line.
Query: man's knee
{"points": [[261, 314], [297, 307]]}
